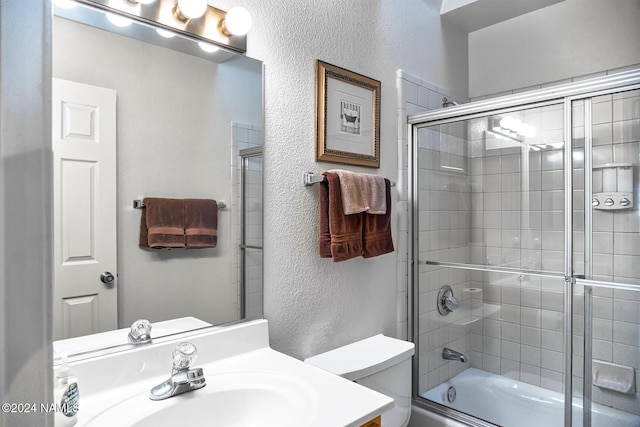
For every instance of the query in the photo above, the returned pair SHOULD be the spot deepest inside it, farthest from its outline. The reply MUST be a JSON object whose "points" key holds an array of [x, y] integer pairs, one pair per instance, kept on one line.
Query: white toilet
{"points": [[380, 363]]}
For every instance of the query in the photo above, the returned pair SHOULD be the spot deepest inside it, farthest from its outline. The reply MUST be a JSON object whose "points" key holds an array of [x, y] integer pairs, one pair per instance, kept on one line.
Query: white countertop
{"points": [[128, 376]]}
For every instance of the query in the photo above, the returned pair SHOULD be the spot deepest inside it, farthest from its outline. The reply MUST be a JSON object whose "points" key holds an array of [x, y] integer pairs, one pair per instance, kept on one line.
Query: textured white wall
{"points": [[570, 38], [313, 304], [25, 209]]}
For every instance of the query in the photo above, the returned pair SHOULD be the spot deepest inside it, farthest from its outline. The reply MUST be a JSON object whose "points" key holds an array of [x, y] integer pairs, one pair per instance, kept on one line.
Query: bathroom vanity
{"points": [[247, 383]]}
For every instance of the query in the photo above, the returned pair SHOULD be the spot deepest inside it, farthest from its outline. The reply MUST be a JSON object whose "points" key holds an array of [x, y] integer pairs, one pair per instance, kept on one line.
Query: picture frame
{"points": [[347, 117]]}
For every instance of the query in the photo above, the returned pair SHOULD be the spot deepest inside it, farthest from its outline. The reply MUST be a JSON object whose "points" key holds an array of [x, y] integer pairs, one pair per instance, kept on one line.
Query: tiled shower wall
{"points": [[518, 222], [616, 246], [444, 205]]}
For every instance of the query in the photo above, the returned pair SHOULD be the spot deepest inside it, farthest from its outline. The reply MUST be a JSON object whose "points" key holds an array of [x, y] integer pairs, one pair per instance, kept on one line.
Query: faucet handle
{"points": [[451, 302], [447, 302], [184, 354], [140, 331]]}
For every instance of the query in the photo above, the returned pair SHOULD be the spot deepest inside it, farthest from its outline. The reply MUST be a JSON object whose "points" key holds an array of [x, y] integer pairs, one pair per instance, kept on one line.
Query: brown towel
{"points": [[201, 223], [376, 231], [324, 237], [162, 223], [362, 192], [340, 234]]}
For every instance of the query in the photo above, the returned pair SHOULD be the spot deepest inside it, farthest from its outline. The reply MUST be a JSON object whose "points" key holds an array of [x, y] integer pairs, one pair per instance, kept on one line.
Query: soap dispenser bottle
{"points": [[66, 395]]}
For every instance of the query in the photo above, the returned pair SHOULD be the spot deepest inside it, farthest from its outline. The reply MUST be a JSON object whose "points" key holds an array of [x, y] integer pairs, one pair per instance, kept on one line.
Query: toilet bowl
{"points": [[380, 363]]}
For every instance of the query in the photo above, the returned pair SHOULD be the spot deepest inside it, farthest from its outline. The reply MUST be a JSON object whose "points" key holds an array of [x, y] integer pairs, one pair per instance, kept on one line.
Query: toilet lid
{"points": [[364, 358]]}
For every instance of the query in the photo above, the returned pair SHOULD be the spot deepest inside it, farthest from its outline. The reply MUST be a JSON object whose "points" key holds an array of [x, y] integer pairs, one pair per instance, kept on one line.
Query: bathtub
{"points": [[511, 403]]}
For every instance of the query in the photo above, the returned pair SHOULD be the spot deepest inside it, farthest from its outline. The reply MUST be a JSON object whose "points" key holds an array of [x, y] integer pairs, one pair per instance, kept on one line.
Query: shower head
{"points": [[448, 102]]}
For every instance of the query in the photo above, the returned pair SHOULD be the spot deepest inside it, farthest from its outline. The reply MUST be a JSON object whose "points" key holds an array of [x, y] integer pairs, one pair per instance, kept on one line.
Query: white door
{"points": [[84, 212]]}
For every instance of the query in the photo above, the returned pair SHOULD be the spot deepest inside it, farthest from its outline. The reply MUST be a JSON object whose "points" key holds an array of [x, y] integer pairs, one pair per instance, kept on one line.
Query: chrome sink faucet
{"points": [[140, 332], [183, 378]]}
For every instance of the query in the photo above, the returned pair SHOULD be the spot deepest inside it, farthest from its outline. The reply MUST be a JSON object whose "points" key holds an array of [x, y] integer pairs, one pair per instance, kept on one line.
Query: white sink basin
{"points": [[232, 399], [248, 384]]}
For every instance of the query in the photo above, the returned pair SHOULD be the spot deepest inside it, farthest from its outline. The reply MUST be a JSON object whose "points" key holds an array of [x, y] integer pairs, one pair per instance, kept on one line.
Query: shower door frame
{"points": [[564, 94]]}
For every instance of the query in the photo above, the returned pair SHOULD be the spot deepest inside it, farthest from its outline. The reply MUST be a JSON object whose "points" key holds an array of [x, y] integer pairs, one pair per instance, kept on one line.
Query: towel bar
{"points": [[309, 178], [139, 204]]}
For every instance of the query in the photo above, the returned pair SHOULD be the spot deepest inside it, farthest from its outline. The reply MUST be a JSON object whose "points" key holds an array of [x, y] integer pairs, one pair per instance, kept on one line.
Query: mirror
{"points": [[187, 124]]}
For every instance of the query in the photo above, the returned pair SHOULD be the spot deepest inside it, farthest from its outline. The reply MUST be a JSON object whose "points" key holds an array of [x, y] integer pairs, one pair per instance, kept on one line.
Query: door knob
{"points": [[107, 278]]}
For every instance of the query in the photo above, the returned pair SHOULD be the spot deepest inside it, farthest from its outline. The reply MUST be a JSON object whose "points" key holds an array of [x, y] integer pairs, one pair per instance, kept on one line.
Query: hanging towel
{"points": [[340, 234], [162, 223], [376, 231], [362, 192], [201, 223], [324, 235]]}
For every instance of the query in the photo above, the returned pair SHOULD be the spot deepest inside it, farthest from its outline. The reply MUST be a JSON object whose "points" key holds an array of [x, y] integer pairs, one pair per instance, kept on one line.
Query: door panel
{"points": [[490, 222], [606, 130], [84, 150]]}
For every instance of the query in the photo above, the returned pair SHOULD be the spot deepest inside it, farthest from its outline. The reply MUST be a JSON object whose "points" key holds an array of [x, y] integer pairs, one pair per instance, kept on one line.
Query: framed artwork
{"points": [[348, 117]]}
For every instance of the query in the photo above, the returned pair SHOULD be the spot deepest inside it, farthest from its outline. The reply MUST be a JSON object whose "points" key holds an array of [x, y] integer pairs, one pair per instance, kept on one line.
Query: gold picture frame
{"points": [[347, 117]]}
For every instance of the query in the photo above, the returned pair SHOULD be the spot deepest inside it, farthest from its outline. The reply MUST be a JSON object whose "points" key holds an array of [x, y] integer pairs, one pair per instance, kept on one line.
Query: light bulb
{"points": [[190, 9], [238, 21], [506, 122], [208, 47], [528, 130], [118, 21], [516, 125]]}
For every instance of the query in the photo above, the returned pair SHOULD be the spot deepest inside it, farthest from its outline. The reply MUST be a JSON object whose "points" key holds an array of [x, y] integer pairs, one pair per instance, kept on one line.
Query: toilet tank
{"points": [[380, 363]]}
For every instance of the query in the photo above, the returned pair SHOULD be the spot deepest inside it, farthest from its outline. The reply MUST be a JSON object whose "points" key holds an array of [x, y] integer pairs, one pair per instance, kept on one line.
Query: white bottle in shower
{"points": [[625, 179]]}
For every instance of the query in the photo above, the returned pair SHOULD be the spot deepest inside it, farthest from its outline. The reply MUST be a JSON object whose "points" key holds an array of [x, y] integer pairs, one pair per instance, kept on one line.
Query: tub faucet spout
{"points": [[449, 354]]}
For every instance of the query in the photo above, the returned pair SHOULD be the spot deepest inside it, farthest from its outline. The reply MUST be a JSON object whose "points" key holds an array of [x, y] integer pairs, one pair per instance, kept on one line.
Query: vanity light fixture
{"points": [[511, 128], [192, 18]]}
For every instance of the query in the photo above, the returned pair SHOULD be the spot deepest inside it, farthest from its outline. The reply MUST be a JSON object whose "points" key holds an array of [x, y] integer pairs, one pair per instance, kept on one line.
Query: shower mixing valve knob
{"points": [[446, 301]]}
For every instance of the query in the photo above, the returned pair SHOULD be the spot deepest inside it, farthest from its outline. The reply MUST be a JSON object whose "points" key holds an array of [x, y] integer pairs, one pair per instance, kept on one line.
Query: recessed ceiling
{"points": [[472, 15]]}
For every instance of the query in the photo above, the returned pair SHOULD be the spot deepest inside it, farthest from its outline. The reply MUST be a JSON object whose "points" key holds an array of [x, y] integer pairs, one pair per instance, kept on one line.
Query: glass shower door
{"points": [[606, 371], [250, 247], [525, 226], [489, 230]]}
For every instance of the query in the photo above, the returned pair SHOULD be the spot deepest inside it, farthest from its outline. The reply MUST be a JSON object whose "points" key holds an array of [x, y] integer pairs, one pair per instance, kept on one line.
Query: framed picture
{"points": [[348, 117]]}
